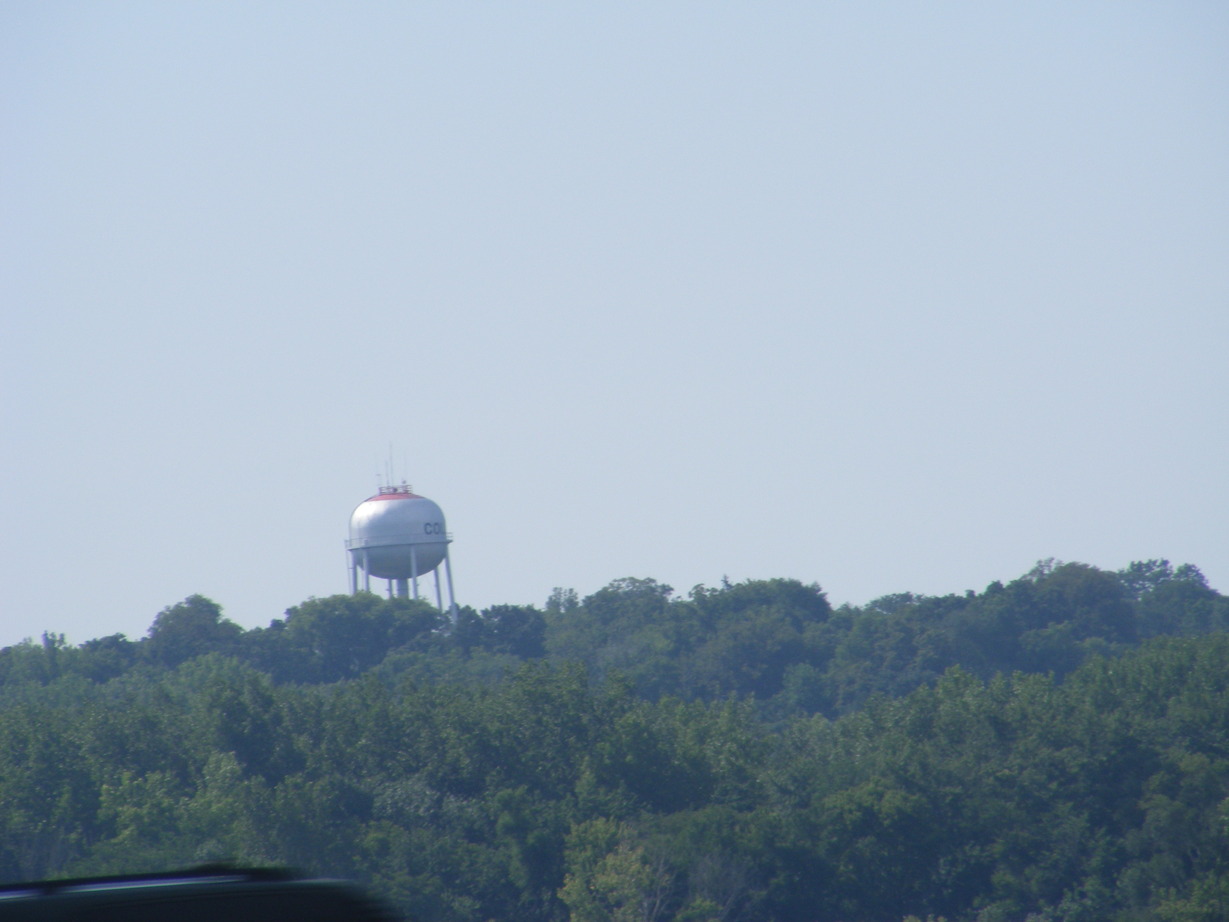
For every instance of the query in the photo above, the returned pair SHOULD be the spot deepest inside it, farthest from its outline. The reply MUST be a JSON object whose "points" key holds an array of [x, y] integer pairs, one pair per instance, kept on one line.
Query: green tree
{"points": [[47, 800], [189, 629], [340, 637], [610, 879]]}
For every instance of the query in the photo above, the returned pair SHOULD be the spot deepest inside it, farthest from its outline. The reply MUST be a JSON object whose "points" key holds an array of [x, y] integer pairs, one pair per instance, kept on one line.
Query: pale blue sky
{"points": [[886, 296]]}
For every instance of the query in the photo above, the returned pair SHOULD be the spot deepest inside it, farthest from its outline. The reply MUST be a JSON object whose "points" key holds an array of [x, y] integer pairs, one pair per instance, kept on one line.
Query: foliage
{"points": [[1052, 748]]}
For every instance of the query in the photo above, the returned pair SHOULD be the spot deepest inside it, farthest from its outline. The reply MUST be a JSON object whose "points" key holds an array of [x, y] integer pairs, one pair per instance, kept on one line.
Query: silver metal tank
{"points": [[397, 534]]}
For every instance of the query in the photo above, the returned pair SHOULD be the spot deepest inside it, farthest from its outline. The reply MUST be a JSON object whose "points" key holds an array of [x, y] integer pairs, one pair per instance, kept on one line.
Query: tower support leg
{"points": [[452, 599]]}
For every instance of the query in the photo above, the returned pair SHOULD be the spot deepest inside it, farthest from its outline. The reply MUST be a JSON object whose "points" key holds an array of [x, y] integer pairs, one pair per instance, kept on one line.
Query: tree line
{"points": [[1052, 748]]}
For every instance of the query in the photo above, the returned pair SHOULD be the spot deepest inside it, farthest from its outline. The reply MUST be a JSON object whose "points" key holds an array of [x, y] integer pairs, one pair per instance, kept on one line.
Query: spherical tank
{"points": [[397, 534]]}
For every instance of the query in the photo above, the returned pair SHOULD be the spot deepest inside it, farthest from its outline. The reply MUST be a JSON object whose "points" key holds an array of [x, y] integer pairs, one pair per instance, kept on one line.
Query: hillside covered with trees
{"points": [[1052, 748]]}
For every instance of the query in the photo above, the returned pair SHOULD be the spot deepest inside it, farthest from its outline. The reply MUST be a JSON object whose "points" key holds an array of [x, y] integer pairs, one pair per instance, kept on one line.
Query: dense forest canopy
{"points": [[1053, 748]]}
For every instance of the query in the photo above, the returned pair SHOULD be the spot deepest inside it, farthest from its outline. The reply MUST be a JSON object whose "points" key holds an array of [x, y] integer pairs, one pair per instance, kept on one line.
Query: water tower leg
{"points": [[366, 573], [452, 599], [439, 602], [403, 588], [414, 568], [353, 574]]}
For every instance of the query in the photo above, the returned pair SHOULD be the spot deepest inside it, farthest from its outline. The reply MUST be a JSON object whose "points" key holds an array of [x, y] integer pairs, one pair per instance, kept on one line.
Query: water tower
{"points": [[399, 536]]}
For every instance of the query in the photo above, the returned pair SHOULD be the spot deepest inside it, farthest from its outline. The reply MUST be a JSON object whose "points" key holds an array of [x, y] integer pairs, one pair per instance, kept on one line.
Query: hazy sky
{"points": [[885, 296]]}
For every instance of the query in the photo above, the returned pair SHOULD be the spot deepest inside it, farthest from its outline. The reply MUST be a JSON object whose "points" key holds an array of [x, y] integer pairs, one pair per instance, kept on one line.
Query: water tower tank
{"points": [[399, 536]]}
